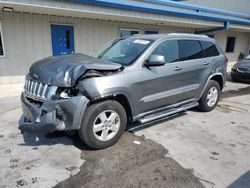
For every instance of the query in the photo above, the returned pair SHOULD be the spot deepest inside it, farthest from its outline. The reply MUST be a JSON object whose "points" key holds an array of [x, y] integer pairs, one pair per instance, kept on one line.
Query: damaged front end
{"points": [[51, 100], [49, 108]]}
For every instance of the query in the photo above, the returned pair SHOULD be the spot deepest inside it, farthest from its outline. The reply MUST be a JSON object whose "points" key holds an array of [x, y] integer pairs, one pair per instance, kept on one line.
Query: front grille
{"points": [[38, 90]]}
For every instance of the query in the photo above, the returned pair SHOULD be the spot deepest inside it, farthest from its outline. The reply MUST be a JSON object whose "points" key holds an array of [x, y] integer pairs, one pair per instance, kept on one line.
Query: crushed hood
{"points": [[64, 70]]}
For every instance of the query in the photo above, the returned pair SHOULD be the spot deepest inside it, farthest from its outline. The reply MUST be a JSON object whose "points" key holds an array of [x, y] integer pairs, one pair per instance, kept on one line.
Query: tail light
{"points": [[226, 60]]}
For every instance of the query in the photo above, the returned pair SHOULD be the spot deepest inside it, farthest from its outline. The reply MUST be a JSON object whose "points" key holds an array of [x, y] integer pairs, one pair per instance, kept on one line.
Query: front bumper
{"points": [[63, 114], [240, 75]]}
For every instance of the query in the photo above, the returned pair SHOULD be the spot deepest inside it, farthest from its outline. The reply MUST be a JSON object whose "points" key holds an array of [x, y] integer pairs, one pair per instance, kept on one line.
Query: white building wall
{"points": [[27, 38], [241, 43]]}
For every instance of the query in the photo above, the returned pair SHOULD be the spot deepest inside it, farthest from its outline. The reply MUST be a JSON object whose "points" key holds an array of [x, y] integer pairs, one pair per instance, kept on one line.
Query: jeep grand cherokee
{"points": [[136, 79]]}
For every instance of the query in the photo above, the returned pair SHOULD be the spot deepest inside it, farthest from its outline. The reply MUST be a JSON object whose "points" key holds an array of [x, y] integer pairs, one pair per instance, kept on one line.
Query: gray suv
{"points": [[136, 79]]}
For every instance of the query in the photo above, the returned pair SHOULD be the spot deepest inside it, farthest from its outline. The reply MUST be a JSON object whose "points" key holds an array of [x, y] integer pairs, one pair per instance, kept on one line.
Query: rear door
{"points": [[213, 59], [196, 68]]}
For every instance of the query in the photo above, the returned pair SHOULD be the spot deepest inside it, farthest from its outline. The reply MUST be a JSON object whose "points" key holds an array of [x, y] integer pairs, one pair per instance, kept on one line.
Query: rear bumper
{"points": [[64, 114]]}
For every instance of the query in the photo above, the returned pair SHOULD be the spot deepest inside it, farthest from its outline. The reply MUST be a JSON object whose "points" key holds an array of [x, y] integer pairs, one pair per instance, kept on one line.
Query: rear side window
{"points": [[190, 49], [168, 49], [209, 49]]}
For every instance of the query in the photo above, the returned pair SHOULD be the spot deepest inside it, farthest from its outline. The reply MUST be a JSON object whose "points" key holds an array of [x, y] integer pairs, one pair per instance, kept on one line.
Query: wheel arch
{"points": [[218, 77], [121, 98]]}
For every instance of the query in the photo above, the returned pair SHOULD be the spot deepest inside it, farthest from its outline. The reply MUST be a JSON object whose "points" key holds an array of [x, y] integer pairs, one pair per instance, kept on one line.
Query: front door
{"points": [[62, 37], [160, 86]]}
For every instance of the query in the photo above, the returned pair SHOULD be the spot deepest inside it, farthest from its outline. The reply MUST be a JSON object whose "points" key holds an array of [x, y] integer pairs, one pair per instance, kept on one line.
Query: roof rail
{"points": [[187, 34]]}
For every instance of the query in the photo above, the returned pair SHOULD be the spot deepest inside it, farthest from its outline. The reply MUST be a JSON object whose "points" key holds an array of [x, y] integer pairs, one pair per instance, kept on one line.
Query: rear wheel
{"points": [[103, 124], [210, 96]]}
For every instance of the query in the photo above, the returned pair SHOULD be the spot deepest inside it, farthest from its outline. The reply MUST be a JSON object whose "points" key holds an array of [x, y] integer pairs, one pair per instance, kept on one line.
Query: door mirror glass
{"points": [[155, 60]]}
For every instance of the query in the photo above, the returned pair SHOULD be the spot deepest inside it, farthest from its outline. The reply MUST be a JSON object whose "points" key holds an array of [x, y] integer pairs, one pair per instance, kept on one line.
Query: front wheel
{"points": [[103, 124], [210, 97]]}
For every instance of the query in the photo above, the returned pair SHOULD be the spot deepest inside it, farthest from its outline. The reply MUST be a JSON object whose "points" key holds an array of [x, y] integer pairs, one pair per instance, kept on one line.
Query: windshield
{"points": [[123, 51]]}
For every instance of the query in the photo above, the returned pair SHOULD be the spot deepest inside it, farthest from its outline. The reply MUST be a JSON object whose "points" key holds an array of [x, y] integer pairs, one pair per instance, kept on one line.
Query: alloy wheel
{"points": [[212, 96], [106, 125]]}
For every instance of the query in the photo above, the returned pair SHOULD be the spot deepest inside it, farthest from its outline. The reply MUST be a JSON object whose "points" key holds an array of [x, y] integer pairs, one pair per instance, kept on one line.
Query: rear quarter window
{"points": [[209, 49], [190, 49]]}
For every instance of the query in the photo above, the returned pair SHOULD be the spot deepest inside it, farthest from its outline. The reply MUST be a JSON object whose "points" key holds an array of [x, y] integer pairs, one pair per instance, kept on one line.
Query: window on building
{"points": [[230, 44], [1, 43], [151, 32], [209, 49], [168, 49], [128, 32], [190, 49], [68, 39]]}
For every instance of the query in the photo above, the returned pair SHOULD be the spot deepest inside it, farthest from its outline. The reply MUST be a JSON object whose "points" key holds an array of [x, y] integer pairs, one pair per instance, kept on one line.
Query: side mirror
{"points": [[155, 60]]}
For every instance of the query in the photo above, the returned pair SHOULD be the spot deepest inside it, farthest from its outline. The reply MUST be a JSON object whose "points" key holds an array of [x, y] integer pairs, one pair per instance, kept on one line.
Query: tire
{"points": [[93, 120], [205, 104]]}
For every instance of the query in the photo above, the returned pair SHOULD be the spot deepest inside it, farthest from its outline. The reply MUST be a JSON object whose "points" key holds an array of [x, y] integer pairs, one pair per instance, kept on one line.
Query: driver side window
{"points": [[168, 49]]}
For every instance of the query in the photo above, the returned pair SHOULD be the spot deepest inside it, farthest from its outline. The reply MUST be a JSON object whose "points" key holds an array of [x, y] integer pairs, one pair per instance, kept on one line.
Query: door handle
{"points": [[177, 68], [206, 63]]}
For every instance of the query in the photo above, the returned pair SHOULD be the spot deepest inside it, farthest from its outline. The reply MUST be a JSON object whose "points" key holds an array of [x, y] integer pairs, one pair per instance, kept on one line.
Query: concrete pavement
{"points": [[32, 160], [214, 145], [36, 160]]}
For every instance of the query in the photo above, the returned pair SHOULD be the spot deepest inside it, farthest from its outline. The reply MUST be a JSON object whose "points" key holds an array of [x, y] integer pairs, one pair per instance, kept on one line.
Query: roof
{"points": [[172, 35]]}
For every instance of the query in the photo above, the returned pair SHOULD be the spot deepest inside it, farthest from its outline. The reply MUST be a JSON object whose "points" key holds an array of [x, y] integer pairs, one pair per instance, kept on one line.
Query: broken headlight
{"points": [[65, 93]]}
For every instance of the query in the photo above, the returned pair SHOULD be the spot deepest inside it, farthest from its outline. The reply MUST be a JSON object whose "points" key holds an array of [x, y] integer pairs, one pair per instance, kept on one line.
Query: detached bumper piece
{"points": [[63, 114], [47, 124]]}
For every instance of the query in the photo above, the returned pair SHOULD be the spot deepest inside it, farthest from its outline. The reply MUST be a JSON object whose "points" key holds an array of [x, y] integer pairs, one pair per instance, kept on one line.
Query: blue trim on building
{"points": [[123, 4], [226, 26]]}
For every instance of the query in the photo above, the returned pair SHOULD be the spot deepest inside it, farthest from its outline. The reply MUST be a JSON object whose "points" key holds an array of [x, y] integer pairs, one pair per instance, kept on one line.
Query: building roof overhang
{"points": [[183, 10], [136, 12]]}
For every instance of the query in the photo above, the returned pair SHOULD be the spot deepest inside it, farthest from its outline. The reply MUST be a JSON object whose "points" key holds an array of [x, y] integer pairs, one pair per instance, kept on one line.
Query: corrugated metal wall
{"points": [[27, 38], [241, 6]]}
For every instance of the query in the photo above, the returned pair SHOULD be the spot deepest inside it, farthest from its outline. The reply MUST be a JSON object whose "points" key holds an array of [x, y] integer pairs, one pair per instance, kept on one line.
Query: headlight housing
{"points": [[65, 93]]}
